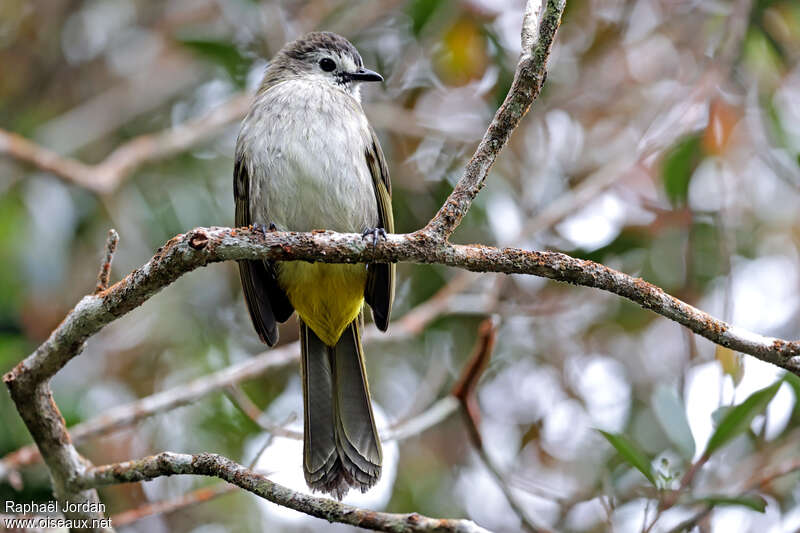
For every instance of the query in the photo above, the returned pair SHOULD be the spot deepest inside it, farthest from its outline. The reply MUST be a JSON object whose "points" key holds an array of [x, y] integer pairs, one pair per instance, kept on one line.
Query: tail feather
{"points": [[356, 435], [319, 450], [341, 445]]}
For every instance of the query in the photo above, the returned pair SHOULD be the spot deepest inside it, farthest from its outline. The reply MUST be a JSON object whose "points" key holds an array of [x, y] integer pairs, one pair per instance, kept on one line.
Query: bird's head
{"points": [[321, 56]]}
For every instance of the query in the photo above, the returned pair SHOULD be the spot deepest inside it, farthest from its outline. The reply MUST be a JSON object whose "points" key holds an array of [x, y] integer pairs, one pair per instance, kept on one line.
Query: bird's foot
{"points": [[376, 233], [263, 228]]}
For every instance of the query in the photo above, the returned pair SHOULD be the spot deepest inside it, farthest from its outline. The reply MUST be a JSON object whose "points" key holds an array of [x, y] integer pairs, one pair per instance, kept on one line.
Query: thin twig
{"points": [[207, 464], [692, 521], [538, 34], [464, 392], [270, 437], [758, 483], [243, 402], [464, 389], [107, 175], [125, 415], [189, 499], [194, 497], [433, 415], [105, 267]]}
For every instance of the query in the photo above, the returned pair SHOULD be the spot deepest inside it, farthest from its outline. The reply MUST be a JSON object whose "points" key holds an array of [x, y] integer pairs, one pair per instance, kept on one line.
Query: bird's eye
{"points": [[327, 64]]}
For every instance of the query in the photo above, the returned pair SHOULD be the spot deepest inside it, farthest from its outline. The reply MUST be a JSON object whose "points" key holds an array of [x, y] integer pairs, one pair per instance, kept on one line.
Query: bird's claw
{"points": [[377, 233], [263, 228]]}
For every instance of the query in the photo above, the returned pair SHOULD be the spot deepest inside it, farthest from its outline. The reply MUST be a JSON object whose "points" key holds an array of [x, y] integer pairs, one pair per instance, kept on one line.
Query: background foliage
{"points": [[665, 144]]}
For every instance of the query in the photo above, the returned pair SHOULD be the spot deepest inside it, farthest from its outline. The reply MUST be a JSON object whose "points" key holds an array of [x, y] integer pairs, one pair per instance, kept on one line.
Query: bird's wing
{"points": [[266, 301], [379, 292]]}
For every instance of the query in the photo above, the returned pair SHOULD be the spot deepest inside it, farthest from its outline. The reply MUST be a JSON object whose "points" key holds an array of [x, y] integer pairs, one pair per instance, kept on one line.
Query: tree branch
{"points": [[202, 246], [206, 245], [537, 41], [35, 404], [208, 464], [107, 175]]}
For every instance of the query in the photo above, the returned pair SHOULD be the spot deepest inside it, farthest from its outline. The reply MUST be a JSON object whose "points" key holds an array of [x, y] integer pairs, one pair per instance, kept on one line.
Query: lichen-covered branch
{"points": [[208, 464], [34, 401], [203, 246], [538, 34]]}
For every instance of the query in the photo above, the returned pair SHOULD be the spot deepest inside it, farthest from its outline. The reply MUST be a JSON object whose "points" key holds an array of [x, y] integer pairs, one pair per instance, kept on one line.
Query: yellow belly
{"points": [[327, 297]]}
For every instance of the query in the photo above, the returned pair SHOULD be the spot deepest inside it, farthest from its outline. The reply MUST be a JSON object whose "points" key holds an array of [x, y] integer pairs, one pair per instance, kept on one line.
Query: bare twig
{"points": [[194, 497], [464, 389], [207, 464], [758, 483], [464, 392], [692, 521], [105, 266], [107, 175], [68, 169], [430, 417], [243, 402]]}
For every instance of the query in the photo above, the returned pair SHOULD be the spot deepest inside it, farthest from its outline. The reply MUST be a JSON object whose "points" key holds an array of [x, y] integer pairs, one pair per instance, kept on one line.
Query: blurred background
{"points": [[665, 144]]}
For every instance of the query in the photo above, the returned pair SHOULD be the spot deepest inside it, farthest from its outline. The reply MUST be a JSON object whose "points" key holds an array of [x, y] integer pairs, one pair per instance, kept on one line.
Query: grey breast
{"points": [[305, 144]]}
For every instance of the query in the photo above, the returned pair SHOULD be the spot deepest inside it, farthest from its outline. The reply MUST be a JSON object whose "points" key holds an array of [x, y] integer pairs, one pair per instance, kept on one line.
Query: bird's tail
{"points": [[341, 446]]}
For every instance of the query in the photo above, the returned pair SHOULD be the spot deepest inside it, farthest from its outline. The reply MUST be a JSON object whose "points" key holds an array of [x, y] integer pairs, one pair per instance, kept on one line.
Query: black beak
{"points": [[365, 74]]}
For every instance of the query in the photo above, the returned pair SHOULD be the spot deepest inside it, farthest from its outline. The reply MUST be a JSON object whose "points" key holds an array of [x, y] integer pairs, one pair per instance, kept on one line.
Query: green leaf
{"points": [[754, 502], [631, 453], [678, 166], [737, 420], [671, 415], [794, 382], [719, 414]]}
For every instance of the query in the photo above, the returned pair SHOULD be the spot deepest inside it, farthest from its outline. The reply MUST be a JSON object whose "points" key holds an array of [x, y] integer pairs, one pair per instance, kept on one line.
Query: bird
{"points": [[307, 158]]}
